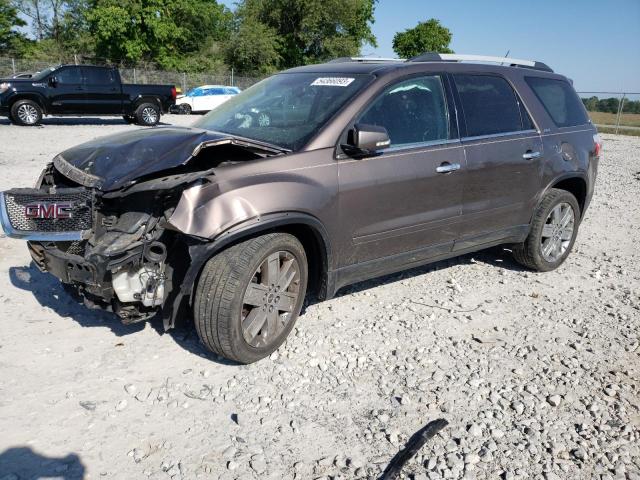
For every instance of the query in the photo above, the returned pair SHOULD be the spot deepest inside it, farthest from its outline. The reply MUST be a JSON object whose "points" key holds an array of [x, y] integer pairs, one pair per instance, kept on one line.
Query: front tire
{"points": [[148, 114], [249, 297], [185, 109], [26, 113], [553, 232]]}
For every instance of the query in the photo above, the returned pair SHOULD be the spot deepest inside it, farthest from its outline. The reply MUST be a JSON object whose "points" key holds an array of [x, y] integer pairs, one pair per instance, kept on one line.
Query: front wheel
{"points": [[249, 297], [185, 109], [26, 113], [553, 232]]}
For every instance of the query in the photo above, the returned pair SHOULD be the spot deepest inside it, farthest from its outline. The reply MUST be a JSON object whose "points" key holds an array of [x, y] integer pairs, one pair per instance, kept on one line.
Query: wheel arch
{"points": [[572, 182], [34, 97], [306, 228], [147, 99]]}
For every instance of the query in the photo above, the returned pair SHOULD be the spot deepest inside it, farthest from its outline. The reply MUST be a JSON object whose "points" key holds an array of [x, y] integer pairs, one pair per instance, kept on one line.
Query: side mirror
{"points": [[364, 139], [53, 82]]}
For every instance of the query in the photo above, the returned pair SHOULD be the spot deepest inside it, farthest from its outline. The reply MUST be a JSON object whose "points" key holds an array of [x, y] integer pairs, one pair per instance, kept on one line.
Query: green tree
{"points": [[166, 33], [309, 31], [253, 49], [11, 41], [429, 36]]}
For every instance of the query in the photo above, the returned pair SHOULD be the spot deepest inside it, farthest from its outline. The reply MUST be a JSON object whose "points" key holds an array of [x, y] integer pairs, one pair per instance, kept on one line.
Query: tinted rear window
{"points": [[490, 105], [559, 100], [98, 76]]}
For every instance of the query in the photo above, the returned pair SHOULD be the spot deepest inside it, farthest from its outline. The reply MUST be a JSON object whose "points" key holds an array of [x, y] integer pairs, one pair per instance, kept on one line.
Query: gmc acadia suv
{"points": [[313, 179]]}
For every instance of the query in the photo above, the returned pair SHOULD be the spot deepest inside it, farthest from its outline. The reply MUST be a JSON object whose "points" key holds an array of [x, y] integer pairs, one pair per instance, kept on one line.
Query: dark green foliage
{"points": [[429, 36], [611, 105], [11, 41]]}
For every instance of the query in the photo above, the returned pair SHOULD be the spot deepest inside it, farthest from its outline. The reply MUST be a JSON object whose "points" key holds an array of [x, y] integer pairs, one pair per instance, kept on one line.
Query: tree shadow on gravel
{"points": [[499, 257], [50, 293], [23, 462]]}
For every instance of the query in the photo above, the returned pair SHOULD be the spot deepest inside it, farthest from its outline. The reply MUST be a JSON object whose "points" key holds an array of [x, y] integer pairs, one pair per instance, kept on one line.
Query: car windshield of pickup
{"points": [[285, 110]]}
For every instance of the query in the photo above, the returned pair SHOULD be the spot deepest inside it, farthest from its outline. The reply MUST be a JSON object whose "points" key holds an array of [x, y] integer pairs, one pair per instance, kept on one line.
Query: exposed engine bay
{"points": [[117, 248]]}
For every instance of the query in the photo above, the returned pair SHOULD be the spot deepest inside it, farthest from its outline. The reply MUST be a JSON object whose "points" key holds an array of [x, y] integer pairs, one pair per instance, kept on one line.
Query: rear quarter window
{"points": [[560, 101]]}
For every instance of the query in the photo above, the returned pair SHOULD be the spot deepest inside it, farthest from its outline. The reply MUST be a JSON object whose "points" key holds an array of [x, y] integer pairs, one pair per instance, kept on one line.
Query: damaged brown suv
{"points": [[313, 179]]}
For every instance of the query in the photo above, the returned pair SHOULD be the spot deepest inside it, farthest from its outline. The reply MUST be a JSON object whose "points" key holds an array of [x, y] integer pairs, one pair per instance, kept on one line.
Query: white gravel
{"points": [[538, 374]]}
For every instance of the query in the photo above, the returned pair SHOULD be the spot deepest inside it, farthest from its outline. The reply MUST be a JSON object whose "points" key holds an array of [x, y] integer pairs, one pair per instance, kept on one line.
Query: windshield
{"points": [[40, 75], [284, 110]]}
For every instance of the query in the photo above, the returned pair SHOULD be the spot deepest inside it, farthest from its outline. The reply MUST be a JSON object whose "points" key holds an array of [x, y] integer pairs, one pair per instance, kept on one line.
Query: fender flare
{"points": [[564, 176], [201, 252], [146, 99], [36, 97]]}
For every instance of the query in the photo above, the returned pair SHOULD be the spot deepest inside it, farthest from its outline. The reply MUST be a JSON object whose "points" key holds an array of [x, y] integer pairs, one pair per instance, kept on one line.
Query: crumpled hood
{"points": [[115, 161]]}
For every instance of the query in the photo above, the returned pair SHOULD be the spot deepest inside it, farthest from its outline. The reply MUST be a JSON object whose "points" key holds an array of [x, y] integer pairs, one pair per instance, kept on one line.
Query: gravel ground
{"points": [[537, 374]]}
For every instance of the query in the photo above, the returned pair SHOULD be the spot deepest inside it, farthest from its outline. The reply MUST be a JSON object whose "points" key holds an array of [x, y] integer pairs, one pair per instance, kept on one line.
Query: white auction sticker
{"points": [[332, 82]]}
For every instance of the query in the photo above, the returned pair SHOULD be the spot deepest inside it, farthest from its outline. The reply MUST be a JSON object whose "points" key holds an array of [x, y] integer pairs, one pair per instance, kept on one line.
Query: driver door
{"points": [[407, 198], [69, 93]]}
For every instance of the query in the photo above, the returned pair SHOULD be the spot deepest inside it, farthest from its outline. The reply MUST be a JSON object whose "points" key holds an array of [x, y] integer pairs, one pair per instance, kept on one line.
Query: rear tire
{"points": [[553, 232], [26, 113], [249, 297], [148, 114]]}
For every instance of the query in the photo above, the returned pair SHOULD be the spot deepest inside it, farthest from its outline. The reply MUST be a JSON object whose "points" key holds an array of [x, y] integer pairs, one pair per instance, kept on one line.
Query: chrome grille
{"points": [[81, 211]]}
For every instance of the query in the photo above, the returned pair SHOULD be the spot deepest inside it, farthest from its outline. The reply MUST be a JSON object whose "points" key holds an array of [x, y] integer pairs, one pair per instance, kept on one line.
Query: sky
{"points": [[594, 42]]}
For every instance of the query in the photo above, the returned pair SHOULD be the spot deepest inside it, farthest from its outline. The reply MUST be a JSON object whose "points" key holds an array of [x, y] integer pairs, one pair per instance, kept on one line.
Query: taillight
{"points": [[597, 145], [174, 93]]}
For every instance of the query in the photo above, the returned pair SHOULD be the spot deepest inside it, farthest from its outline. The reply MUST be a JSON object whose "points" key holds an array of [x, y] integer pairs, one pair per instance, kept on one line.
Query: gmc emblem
{"points": [[48, 210]]}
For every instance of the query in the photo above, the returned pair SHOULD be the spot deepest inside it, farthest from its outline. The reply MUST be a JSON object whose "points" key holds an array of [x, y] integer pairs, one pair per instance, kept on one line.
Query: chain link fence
{"points": [[614, 112], [145, 74]]}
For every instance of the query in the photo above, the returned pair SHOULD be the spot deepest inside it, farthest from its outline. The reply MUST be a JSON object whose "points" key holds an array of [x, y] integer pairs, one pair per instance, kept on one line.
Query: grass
{"points": [[621, 131], [605, 118]]}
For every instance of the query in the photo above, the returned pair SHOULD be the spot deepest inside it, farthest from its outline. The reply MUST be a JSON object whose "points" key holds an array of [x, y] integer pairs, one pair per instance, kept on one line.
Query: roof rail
{"points": [[364, 59], [454, 57]]}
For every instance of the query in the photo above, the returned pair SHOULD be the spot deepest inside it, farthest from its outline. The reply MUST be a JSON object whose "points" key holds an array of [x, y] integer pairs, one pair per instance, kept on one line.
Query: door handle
{"points": [[531, 155], [447, 167]]}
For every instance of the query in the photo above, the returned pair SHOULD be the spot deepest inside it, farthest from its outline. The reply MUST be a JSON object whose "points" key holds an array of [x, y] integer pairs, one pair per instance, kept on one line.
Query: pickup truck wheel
{"points": [[553, 232], [26, 112], [249, 297], [148, 114]]}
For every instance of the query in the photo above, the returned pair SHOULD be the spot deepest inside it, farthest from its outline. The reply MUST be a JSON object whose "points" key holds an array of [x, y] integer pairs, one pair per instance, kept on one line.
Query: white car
{"points": [[204, 98]]}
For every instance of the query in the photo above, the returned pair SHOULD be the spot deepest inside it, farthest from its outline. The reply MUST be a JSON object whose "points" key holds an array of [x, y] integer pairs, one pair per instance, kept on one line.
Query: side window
{"points": [[559, 100], [490, 105], [70, 75], [98, 76], [413, 111]]}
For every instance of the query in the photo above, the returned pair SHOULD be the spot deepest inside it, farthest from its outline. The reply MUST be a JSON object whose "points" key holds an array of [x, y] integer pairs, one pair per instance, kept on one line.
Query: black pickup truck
{"points": [[82, 90]]}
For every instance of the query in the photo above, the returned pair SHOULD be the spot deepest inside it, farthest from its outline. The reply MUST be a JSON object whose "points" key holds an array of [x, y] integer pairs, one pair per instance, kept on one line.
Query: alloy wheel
{"points": [[27, 114], [270, 299], [557, 232], [149, 115]]}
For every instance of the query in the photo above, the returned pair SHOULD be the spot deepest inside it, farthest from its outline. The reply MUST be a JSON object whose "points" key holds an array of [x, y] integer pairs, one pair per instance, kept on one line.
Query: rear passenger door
{"points": [[408, 197], [103, 92], [504, 158]]}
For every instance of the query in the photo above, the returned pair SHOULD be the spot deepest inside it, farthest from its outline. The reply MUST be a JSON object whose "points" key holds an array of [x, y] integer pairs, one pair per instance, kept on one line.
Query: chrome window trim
{"points": [[498, 135], [33, 236]]}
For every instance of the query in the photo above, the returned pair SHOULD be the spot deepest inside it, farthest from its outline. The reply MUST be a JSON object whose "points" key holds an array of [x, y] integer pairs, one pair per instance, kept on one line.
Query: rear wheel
{"points": [[26, 112], [553, 232], [249, 297], [148, 114]]}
